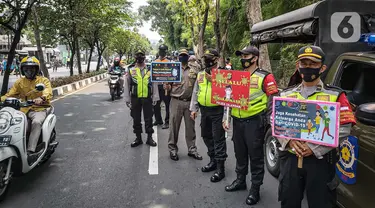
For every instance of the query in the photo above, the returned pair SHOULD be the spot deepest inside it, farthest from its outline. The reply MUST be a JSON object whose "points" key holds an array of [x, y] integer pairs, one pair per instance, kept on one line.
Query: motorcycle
{"points": [[14, 159], [115, 87]]}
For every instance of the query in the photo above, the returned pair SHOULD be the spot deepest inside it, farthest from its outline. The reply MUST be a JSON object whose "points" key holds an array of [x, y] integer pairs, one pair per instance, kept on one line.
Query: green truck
{"points": [[351, 64]]}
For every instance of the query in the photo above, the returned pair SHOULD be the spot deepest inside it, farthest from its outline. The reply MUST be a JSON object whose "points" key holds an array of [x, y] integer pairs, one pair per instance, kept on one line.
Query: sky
{"points": [[152, 36]]}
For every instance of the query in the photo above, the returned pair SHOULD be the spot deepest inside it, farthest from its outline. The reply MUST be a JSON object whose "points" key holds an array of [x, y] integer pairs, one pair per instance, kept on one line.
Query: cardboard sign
{"points": [[309, 121], [166, 72], [231, 88]]}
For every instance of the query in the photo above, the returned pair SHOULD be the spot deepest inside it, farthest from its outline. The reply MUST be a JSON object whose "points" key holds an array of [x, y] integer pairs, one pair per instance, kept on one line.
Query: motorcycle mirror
{"points": [[40, 87]]}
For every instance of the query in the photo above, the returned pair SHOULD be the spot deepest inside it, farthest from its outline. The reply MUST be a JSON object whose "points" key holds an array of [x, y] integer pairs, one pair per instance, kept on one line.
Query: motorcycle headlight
{"points": [[5, 119]]}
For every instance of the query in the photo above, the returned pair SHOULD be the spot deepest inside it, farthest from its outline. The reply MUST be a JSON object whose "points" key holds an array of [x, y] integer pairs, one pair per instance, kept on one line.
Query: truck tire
{"points": [[271, 154]]}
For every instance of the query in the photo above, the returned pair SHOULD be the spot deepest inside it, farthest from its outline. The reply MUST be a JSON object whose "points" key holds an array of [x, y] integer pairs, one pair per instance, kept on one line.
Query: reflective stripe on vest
{"points": [[258, 98], [141, 82], [205, 91], [321, 95]]}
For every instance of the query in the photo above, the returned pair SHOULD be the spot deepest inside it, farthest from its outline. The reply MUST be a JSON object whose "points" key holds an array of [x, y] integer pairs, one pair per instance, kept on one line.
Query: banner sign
{"points": [[166, 72], [346, 167], [305, 120], [231, 88]]}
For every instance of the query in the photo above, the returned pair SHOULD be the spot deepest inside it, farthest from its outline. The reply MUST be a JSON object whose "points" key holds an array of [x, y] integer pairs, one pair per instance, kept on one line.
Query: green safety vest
{"points": [[205, 91], [142, 85], [258, 98], [323, 93]]}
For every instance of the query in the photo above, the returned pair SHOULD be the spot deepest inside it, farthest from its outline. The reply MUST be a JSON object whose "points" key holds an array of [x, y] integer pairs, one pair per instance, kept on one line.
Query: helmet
{"points": [[163, 48], [116, 62], [30, 62]]}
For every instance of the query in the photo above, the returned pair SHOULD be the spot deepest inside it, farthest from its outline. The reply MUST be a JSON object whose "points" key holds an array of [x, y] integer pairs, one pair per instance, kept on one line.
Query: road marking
{"points": [[153, 166], [64, 96]]}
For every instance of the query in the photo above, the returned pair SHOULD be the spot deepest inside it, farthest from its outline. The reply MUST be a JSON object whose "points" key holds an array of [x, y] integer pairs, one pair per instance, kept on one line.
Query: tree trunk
{"points": [[78, 56], [254, 15], [224, 38], [86, 54], [43, 67], [99, 58], [202, 31], [217, 26], [89, 59]]}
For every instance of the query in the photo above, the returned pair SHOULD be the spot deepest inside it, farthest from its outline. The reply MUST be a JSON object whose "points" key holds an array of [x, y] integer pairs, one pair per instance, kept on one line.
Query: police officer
{"points": [[181, 93], [140, 94], [212, 116], [317, 175], [166, 98], [249, 125]]}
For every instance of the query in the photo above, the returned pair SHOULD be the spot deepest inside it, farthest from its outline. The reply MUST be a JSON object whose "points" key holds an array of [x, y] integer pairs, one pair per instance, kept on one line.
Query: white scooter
{"points": [[14, 137]]}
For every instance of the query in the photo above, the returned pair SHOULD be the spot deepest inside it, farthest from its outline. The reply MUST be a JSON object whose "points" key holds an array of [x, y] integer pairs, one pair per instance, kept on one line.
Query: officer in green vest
{"points": [[317, 177], [140, 94], [212, 116], [249, 125]]}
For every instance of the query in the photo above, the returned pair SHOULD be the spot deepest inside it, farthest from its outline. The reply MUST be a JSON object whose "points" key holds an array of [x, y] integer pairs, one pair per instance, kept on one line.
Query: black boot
{"points": [[211, 166], [238, 184], [150, 141], [220, 172], [138, 141], [254, 195]]}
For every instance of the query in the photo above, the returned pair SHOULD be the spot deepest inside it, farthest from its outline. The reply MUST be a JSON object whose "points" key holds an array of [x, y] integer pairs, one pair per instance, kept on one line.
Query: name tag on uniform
{"points": [[323, 97], [254, 82], [201, 78]]}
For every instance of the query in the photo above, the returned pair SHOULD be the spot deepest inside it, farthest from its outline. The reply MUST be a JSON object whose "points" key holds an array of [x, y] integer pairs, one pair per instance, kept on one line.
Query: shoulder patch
{"points": [[200, 78]]}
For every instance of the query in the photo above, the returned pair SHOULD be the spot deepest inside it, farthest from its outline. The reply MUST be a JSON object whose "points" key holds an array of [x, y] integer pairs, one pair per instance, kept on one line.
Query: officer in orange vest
{"points": [[212, 116], [166, 98]]}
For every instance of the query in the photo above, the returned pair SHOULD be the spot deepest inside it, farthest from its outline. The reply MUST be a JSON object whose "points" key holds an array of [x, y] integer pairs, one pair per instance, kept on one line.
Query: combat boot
{"points": [[254, 196], [211, 166], [151, 141], [220, 172], [238, 184], [138, 141]]}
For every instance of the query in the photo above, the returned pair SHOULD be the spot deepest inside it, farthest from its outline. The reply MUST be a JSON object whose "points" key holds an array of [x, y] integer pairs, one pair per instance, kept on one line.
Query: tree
{"points": [[121, 41], [15, 14], [38, 42]]}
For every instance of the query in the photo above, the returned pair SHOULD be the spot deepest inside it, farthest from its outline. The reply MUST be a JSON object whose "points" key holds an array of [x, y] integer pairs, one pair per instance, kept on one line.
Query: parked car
{"points": [[352, 68]]}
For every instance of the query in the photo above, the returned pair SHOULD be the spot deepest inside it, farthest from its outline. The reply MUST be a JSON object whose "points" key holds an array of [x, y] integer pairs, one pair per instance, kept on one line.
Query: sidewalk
{"points": [[61, 72]]}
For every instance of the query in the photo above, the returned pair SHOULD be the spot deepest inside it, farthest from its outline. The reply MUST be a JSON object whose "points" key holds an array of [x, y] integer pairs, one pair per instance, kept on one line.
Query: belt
{"points": [[182, 99]]}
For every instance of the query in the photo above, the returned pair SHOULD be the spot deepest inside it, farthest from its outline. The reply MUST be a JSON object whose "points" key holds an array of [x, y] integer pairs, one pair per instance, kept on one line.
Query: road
{"points": [[61, 72], [95, 167]]}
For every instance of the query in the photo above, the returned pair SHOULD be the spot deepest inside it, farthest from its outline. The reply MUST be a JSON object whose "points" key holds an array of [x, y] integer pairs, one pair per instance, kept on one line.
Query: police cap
{"points": [[314, 53], [248, 50]]}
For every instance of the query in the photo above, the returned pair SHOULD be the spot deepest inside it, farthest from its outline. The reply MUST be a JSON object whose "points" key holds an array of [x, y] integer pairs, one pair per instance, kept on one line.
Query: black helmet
{"points": [[163, 48]]}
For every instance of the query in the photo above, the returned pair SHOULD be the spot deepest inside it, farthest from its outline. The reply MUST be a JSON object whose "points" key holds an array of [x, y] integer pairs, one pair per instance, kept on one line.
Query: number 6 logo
{"points": [[345, 27]]}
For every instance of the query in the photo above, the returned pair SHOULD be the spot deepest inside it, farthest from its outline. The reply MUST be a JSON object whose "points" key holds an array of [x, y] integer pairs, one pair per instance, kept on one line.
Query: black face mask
{"points": [[183, 59], [162, 53], [140, 59], [209, 62], [310, 74], [30, 74], [246, 63]]}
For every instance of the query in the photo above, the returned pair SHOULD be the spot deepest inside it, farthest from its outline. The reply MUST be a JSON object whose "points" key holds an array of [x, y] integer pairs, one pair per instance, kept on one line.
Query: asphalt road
{"points": [[95, 167]]}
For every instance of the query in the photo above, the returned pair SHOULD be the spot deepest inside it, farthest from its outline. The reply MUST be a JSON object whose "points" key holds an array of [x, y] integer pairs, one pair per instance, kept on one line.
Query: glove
{"points": [[129, 104], [154, 103]]}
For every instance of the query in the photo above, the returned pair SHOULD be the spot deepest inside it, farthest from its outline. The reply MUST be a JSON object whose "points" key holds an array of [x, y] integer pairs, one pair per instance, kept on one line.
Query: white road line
{"points": [[153, 166], [64, 96]]}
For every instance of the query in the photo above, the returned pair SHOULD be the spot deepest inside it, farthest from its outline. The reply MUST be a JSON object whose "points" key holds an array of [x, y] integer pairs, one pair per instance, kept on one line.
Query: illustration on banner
{"points": [[311, 121], [231, 88]]}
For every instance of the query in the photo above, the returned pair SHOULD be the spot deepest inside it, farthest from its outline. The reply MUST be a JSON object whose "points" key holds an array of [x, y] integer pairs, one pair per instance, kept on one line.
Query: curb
{"points": [[65, 89]]}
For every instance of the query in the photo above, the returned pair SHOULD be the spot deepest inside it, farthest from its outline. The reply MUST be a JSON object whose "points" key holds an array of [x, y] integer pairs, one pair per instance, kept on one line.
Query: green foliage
{"points": [[60, 81]]}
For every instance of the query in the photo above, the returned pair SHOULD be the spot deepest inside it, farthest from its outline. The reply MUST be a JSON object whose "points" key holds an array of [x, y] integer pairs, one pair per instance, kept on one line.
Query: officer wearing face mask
{"points": [[212, 115], [141, 94], [166, 98], [249, 126], [181, 93], [317, 177]]}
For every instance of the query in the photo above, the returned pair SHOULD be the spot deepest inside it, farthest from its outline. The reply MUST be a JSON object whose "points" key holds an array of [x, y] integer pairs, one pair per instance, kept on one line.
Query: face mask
{"points": [[183, 59], [162, 53], [140, 59], [29, 74], [209, 62], [246, 63], [309, 74]]}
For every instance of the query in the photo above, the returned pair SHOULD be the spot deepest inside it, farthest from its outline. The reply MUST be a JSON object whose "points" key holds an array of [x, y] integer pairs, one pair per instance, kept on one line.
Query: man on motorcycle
{"points": [[116, 67], [24, 89]]}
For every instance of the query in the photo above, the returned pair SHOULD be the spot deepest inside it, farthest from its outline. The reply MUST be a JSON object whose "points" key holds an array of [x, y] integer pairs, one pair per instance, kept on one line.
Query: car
{"points": [[352, 68]]}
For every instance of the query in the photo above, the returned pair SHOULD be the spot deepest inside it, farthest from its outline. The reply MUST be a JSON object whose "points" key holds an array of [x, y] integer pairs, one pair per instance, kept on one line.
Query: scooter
{"points": [[115, 87], [13, 140]]}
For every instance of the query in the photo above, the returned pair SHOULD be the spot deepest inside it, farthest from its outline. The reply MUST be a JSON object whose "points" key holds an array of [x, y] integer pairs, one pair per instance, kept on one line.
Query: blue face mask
{"points": [[183, 59]]}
